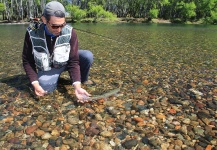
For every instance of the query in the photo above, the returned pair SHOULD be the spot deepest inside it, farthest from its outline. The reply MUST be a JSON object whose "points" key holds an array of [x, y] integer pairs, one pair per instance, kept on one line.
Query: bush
{"points": [[213, 18], [153, 13], [76, 13], [98, 12]]}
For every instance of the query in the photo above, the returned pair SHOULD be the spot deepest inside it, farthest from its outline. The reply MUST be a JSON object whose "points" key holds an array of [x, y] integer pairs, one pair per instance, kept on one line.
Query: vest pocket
{"points": [[61, 55], [41, 60]]}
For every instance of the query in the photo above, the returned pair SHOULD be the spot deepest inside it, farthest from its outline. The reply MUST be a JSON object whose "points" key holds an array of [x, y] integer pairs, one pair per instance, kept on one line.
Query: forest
{"points": [[177, 11]]}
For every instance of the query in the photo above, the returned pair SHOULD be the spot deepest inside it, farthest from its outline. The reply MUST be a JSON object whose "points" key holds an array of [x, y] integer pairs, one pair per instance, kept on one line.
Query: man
{"points": [[51, 49]]}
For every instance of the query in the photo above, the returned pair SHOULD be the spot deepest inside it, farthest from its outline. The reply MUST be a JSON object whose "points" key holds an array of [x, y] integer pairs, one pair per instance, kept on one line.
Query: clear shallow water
{"points": [[128, 48], [152, 64], [156, 43]]}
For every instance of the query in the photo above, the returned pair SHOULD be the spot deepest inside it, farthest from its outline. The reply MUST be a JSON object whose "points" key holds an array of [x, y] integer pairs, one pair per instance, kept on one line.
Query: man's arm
{"points": [[74, 69], [73, 63], [28, 59], [30, 67]]}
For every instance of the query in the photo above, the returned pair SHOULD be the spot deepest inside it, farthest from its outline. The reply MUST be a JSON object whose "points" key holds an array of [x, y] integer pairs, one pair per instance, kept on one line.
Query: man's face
{"points": [[55, 25]]}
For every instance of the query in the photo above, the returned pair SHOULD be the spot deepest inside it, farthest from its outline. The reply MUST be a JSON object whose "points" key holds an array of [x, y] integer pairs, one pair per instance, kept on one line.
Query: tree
{"points": [[134, 8], [76, 13], [188, 11], [2, 10], [164, 9], [153, 13], [97, 11], [213, 17], [8, 10], [207, 10], [181, 10]]}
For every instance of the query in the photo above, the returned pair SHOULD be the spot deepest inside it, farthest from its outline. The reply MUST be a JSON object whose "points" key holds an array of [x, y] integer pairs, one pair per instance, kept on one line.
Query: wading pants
{"points": [[48, 79]]}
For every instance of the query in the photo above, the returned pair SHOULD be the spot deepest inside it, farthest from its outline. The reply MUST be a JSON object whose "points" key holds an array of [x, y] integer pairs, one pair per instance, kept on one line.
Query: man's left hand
{"points": [[82, 95]]}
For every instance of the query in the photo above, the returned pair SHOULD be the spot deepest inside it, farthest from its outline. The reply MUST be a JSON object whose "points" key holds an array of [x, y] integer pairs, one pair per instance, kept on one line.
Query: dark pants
{"points": [[48, 79], [86, 60]]}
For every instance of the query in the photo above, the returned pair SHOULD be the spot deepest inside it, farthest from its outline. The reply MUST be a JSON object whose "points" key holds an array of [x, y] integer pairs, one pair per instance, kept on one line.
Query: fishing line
{"points": [[35, 22], [117, 41], [98, 35], [105, 37]]}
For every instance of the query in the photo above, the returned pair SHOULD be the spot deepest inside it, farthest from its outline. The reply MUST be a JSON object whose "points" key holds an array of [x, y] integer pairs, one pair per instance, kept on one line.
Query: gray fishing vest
{"points": [[60, 56]]}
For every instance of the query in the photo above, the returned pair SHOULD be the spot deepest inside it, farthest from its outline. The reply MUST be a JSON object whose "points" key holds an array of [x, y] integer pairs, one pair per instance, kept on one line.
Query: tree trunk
{"points": [[7, 10], [30, 13], [43, 2]]}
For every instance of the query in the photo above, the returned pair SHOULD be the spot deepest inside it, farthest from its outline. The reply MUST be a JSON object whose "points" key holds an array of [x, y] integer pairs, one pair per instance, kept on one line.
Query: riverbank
{"points": [[118, 20], [139, 20]]}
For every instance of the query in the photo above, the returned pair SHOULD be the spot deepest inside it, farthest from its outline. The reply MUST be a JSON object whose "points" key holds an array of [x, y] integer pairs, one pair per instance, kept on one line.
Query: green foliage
{"points": [[186, 10], [175, 10], [38, 2], [2, 7], [75, 12], [153, 13], [213, 18], [208, 10], [190, 10], [98, 12], [165, 2]]}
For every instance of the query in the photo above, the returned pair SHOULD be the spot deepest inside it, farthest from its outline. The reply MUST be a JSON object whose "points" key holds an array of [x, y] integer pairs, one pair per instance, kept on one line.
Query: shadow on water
{"points": [[20, 82], [14, 85]]}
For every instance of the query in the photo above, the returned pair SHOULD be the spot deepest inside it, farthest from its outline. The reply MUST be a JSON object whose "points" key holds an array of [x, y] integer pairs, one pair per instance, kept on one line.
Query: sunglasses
{"points": [[56, 26]]}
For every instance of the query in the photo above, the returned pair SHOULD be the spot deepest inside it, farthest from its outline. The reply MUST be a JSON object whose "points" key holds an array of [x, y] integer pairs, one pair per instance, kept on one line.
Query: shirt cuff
{"points": [[76, 82], [33, 82]]}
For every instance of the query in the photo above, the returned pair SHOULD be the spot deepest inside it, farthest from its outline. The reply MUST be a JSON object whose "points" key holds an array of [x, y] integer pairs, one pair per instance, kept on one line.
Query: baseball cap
{"points": [[52, 8]]}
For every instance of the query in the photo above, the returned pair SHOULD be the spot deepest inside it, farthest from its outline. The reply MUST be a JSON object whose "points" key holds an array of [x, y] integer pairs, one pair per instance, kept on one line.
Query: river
{"points": [[166, 75]]}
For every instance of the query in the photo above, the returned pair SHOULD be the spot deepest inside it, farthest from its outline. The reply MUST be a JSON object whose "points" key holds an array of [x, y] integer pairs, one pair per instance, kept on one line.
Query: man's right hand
{"points": [[39, 91]]}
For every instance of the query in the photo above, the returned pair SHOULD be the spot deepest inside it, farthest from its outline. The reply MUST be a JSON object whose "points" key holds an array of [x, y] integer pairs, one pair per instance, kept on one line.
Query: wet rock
{"points": [[117, 129], [59, 142], [202, 114], [122, 136], [163, 114], [52, 142], [101, 146], [39, 133], [18, 146], [186, 121], [175, 101], [55, 132], [31, 129], [155, 143], [129, 144], [94, 129], [211, 105], [15, 140], [46, 136], [145, 140], [113, 111], [106, 133], [73, 120], [98, 117], [160, 116]]}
